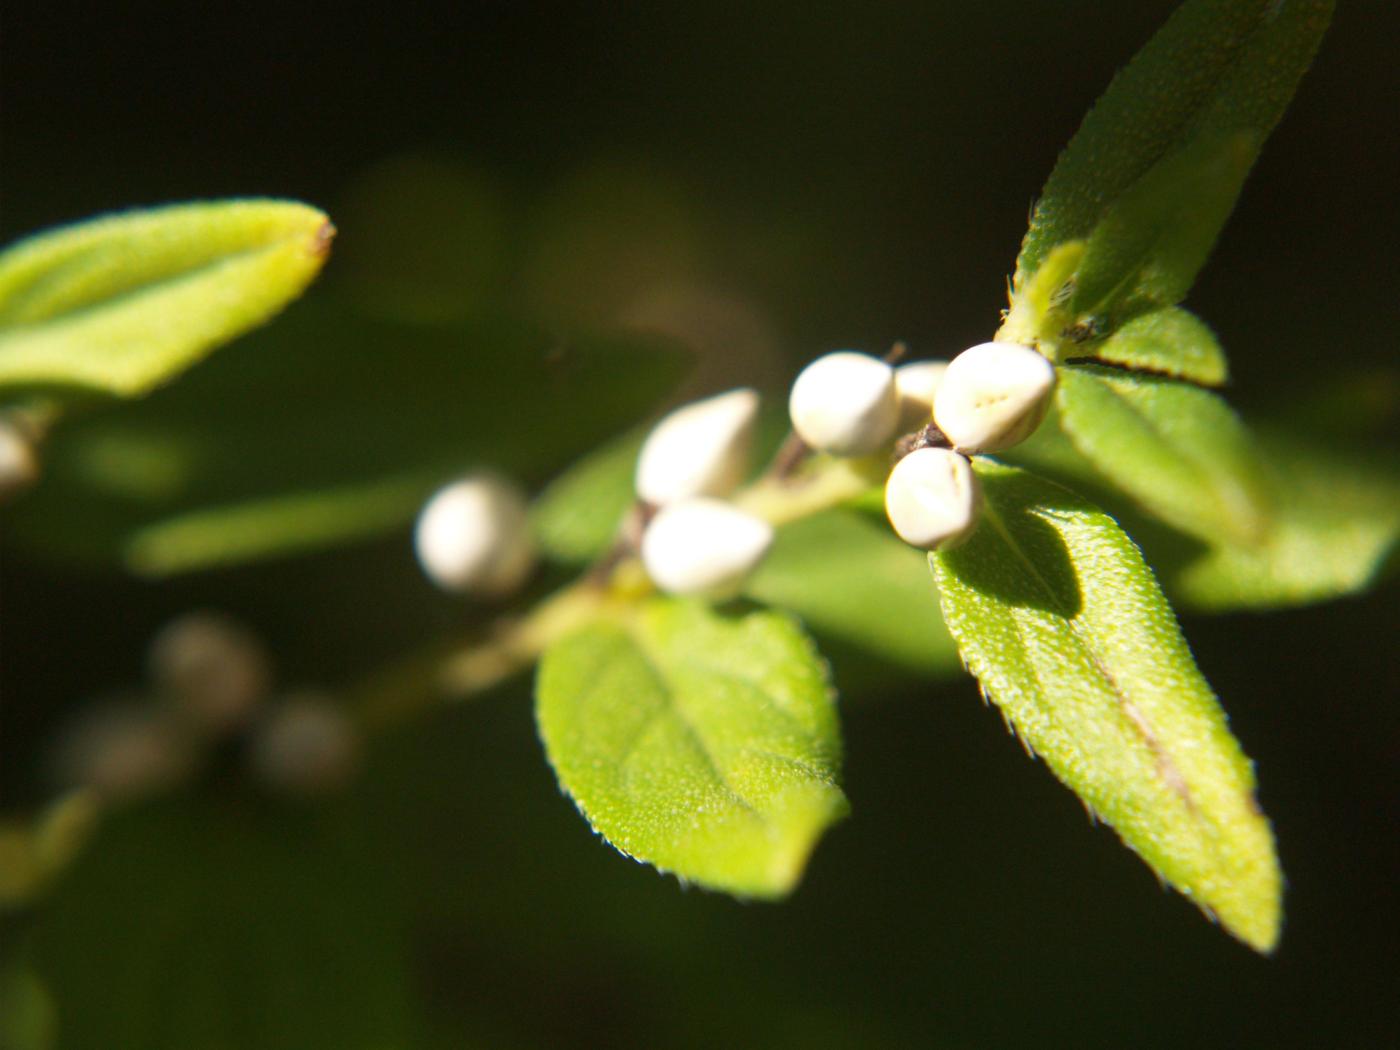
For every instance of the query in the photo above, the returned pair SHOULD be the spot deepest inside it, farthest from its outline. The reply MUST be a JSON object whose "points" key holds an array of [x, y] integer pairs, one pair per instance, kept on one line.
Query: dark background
{"points": [[852, 174]]}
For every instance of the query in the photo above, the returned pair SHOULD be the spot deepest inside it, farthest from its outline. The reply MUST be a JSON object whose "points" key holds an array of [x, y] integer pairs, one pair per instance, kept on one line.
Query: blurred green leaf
{"points": [[703, 743], [329, 427], [194, 925], [28, 1020], [850, 578], [1334, 523], [1219, 71], [1063, 625], [1171, 341], [577, 516], [1176, 449], [1337, 524], [122, 303]]}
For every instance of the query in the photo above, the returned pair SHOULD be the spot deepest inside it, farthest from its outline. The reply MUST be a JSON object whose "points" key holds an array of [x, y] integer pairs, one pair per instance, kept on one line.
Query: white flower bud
{"points": [[993, 396], [473, 535], [703, 546], [18, 464], [933, 498], [215, 672], [845, 403], [916, 383], [122, 751], [307, 747], [701, 449]]}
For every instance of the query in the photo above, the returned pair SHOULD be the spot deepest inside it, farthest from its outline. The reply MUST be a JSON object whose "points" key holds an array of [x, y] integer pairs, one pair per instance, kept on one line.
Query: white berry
{"points": [[703, 546], [993, 396], [215, 672], [917, 383], [933, 498], [307, 747], [700, 449], [845, 403], [473, 535]]}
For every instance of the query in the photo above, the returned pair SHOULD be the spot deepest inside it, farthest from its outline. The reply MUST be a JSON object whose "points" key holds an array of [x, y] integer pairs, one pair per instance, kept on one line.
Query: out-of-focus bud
{"points": [[700, 449], [845, 403], [473, 536], [19, 466], [916, 383], [993, 396], [214, 671], [703, 546], [307, 747], [123, 751], [933, 498]]}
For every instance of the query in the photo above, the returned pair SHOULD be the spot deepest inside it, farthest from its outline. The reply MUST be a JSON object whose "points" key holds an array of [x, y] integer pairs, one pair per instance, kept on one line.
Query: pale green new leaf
{"points": [[1063, 625], [1176, 449], [120, 304], [1172, 342], [1218, 68], [850, 579], [702, 743]]}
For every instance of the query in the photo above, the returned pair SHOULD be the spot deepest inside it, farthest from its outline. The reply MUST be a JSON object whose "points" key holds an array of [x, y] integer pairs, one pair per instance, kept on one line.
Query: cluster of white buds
{"points": [[473, 536], [696, 542], [987, 399]]}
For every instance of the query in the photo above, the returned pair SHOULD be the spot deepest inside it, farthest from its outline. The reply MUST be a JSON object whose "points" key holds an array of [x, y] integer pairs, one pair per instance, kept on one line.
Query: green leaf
{"points": [[121, 304], [849, 578], [702, 743], [1176, 449], [1145, 252], [576, 517], [1063, 625], [1218, 68], [327, 428], [220, 924], [1172, 341], [1337, 525]]}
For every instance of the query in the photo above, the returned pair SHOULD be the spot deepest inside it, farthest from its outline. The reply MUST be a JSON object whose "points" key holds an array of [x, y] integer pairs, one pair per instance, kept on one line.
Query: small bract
{"points": [[472, 535], [993, 396], [845, 403], [701, 449], [933, 498], [917, 383], [703, 546]]}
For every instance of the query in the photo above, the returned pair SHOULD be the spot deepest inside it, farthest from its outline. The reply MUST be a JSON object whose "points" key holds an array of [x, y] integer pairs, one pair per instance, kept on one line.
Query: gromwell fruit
{"points": [[700, 449], [472, 535], [916, 384], [703, 546], [993, 396], [933, 498], [845, 403]]}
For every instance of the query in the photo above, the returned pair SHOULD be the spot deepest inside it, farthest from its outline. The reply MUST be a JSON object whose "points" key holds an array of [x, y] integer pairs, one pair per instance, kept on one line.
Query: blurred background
{"points": [[740, 187]]}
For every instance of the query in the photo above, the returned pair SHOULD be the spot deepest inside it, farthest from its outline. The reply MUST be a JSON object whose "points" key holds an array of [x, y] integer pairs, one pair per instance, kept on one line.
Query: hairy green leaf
{"points": [[703, 743], [1217, 69], [120, 304], [1176, 449], [850, 579], [1171, 341], [1063, 625], [327, 428]]}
